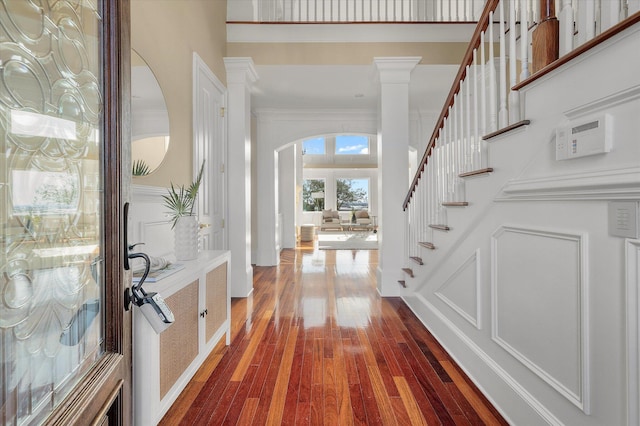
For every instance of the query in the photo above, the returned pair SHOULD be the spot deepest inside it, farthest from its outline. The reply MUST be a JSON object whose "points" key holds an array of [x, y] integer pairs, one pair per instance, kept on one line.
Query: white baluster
{"points": [[483, 85], [476, 162], [524, 40], [566, 27], [609, 14], [493, 111], [586, 21], [468, 144], [514, 96], [503, 113]]}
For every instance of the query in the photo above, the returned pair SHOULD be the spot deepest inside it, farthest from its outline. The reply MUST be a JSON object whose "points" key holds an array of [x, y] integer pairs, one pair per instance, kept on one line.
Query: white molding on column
{"points": [[581, 398], [396, 69], [240, 70], [241, 74], [632, 254]]}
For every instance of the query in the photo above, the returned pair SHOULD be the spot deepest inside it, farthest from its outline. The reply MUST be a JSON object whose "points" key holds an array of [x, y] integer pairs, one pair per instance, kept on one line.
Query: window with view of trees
{"points": [[313, 146], [352, 145], [352, 194], [313, 195]]}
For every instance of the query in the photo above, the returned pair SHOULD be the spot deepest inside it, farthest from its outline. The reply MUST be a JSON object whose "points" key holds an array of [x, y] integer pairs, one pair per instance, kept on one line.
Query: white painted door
{"points": [[209, 138]]}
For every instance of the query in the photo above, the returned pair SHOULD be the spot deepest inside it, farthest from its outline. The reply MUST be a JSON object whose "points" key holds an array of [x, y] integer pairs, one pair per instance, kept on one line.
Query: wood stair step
{"points": [[408, 271], [477, 172], [403, 283], [440, 227], [417, 259], [427, 245], [507, 129], [455, 204]]}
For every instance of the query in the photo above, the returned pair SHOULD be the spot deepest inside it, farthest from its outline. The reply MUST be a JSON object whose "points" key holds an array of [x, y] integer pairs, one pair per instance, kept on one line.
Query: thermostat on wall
{"points": [[584, 138]]}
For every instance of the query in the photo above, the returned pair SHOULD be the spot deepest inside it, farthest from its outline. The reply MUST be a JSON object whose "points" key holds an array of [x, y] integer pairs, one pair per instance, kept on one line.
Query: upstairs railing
{"points": [[349, 11], [484, 99]]}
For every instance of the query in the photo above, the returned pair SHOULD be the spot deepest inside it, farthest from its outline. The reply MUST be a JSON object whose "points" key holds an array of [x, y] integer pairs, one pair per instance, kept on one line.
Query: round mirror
{"points": [[149, 119]]}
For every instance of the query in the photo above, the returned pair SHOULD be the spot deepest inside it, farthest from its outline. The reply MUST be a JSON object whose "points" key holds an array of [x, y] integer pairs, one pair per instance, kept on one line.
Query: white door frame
{"points": [[201, 150]]}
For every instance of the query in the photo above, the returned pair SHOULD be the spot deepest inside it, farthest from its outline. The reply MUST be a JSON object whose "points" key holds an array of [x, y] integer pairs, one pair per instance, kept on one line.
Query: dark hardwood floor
{"points": [[315, 344]]}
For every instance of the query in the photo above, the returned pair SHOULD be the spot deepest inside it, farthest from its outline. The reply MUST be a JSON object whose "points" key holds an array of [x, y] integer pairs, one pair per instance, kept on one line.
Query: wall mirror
{"points": [[149, 119]]}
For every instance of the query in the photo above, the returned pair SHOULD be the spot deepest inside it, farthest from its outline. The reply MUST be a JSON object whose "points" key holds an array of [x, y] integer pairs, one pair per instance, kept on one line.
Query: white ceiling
{"points": [[344, 86]]}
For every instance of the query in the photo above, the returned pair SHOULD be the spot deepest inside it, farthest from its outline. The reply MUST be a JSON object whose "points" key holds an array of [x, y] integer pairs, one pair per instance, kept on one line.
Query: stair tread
{"points": [[417, 259], [427, 244], [477, 172], [455, 203], [440, 227], [408, 271]]}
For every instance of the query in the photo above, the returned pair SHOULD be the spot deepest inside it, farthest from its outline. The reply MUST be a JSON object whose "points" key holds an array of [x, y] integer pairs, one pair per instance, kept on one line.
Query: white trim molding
{"points": [[632, 252], [473, 260], [620, 184], [517, 388], [578, 392], [149, 194]]}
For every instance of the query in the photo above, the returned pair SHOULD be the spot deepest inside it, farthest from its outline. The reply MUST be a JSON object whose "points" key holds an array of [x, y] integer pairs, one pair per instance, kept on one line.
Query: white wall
{"points": [[528, 291]]}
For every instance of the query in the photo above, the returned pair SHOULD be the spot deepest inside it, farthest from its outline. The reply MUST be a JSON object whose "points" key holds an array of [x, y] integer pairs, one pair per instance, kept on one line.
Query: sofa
{"points": [[331, 220]]}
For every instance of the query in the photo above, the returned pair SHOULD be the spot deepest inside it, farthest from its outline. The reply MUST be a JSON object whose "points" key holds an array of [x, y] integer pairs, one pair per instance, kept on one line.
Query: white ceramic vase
{"points": [[186, 238]]}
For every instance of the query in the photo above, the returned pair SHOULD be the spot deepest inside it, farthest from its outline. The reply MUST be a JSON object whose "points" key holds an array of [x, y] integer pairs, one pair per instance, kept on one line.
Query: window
{"points": [[313, 146], [313, 195], [352, 194], [352, 145]]}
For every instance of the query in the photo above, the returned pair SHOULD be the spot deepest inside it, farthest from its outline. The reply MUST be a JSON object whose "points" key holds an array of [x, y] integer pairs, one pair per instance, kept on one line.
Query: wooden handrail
{"points": [[483, 24], [468, 57], [600, 38]]}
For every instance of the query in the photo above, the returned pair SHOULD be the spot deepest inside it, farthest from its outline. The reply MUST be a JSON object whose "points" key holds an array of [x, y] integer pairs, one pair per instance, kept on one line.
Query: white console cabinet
{"points": [[163, 364]]}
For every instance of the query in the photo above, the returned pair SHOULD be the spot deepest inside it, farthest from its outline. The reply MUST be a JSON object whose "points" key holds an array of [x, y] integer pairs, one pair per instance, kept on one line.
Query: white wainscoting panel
{"points": [[462, 289], [148, 222], [633, 331], [539, 293]]}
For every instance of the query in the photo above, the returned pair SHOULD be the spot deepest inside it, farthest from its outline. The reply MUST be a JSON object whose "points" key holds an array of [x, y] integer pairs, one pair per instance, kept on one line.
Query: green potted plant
{"points": [[181, 201]]}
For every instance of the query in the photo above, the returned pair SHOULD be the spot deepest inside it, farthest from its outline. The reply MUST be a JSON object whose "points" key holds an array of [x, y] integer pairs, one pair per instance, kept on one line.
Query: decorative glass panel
{"points": [[51, 285]]}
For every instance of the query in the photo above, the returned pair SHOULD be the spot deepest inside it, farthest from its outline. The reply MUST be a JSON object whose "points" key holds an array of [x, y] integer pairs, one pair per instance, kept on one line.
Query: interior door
{"points": [[209, 146], [65, 348]]}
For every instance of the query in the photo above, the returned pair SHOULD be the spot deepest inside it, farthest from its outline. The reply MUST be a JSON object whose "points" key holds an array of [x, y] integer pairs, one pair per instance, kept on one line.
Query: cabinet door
{"points": [[216, 300], [179, 343]]}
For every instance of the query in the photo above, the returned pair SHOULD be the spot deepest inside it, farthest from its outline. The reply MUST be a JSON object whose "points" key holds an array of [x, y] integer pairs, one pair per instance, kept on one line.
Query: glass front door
{"points": [[52, 199]]}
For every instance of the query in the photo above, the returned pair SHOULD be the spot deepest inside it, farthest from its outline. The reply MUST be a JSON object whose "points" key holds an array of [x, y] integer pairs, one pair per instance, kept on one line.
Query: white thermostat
{"points": [[584, 138]]}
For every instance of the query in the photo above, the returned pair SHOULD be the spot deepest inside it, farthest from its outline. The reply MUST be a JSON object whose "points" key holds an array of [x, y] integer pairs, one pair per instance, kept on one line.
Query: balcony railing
{"points": [[349, 11]]}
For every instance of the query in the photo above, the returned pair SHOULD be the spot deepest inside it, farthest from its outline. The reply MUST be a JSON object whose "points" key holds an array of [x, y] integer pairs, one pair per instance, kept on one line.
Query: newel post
{"points": [[546, 36]]}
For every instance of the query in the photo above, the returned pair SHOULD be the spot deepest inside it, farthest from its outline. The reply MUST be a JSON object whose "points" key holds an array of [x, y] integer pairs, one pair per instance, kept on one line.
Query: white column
{"points": [[241, 74], [393, 171]]}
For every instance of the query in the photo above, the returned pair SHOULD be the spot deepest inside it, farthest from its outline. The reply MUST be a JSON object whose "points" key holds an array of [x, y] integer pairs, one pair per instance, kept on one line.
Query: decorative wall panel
{"points": [[461, 290], [540, 305]]}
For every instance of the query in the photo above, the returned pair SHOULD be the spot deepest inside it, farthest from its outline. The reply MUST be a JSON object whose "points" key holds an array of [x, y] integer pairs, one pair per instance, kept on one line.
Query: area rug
{"points": [[347, 241]]}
